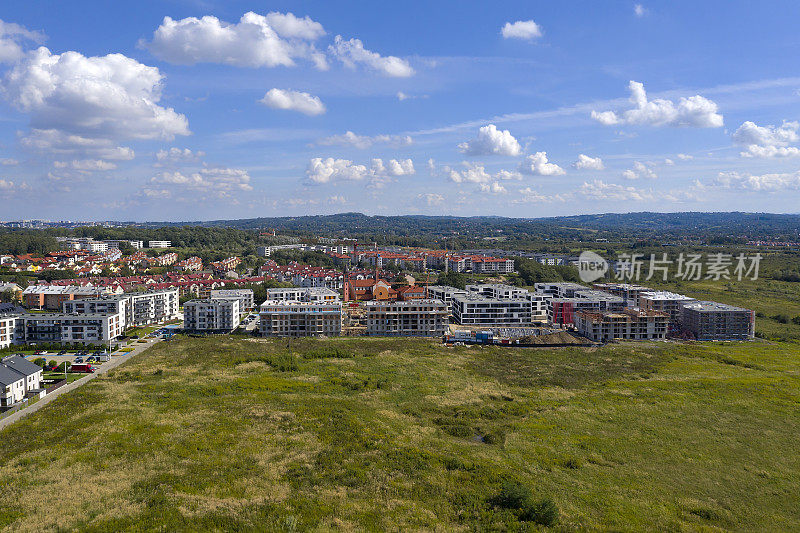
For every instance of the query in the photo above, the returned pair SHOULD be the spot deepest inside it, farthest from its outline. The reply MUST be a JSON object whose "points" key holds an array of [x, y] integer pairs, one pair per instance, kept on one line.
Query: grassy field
{"points": [[382, 434]]}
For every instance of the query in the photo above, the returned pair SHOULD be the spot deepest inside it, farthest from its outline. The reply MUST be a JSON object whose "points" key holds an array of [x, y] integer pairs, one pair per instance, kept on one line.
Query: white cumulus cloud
{"points": [[493, 188], [537, 165], [330, 170], [363, 142], [695, 111], [431, 198], [639, 170], [352, 53], [294, 101], [178, 155], [79, 103], [219, 182], [86, 164], [639, 10], [764, 182], [600, 190], [585, 162], [255, 41], [768, 141], [491, 141], [521, 29], [14, 39]]}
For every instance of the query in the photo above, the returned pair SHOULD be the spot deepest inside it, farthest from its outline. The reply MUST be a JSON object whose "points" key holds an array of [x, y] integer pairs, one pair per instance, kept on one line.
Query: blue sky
{"points": [[110, 111]]}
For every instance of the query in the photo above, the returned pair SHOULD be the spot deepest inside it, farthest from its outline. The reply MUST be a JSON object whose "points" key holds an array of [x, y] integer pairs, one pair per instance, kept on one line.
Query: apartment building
{"points": [[630, 292], [34, 328], [303, 294], [708, 321], [415, 318], [266, 251], [665, 302], [226, 265], [561, 289], [18, 379], [628, 324], [152, 306], [52, 297], [492, 265], [190, 264], [244, 296], [539, 305], [445, 294], [497, 290], [159, 244], [107, 304], [8, 326], [214, 315], [167, 259], [478, 310], [292, 318]]}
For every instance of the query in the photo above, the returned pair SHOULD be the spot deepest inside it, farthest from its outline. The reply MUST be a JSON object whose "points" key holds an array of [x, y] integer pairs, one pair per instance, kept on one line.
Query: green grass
{"points": [[388, 434]]}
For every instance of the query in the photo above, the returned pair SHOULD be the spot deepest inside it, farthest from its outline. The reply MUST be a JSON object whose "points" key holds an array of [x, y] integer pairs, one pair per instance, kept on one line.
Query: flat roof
{"points": [[663, 295], [713, 306]]}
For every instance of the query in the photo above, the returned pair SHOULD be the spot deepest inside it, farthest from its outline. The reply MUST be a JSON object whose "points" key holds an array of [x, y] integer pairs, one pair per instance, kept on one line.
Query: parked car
{"points": [[91, 359], [62, 352], [78, 360], [82, 368]]}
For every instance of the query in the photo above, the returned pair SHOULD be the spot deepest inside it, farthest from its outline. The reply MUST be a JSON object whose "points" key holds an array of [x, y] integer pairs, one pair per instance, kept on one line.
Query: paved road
{"points": [[105, 367]]}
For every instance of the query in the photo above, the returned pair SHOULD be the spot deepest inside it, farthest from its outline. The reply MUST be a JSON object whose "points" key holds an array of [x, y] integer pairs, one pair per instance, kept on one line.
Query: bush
{"points": [[512, 496], [52, 362], [782, 319], [796, 320], [40, 361], [517, 497], [543, 512]]}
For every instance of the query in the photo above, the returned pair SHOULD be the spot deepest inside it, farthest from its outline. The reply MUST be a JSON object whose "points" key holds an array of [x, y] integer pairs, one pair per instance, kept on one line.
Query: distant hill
{"points": [[642, 224]]}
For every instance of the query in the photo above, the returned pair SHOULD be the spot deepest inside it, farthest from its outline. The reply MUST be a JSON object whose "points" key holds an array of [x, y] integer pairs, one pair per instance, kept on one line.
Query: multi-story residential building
{"points": [[715, 321], [52, 297], [497, 290], [215, 315], [13, 289], [266, 251], [539, 304], [492, 265], [115, 244], [292, 318], [34, 328], [664, 301], [18, 378], [8, 326], [152, 306], [416, 318], [107, 304], [445, 294], [561, 289], [630, 292], [159, 244], [561, 311], [190, 264], [303, 294], [628, 324], [169, 258], [478, 310], [226, 265], [245, 297]]}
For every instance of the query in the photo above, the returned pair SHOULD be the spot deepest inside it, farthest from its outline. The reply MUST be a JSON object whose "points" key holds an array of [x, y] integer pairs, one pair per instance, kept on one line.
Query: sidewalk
{"points": [[105, 367]]}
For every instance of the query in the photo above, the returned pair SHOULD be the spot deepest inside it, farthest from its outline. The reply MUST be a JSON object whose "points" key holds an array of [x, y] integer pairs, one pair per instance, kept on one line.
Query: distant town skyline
{"points": [[207, 110]]}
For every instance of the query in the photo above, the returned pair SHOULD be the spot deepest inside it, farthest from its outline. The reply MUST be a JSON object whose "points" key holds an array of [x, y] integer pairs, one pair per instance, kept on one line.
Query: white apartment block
{"points": [[628, 324], [539, 305], [245, 297], [560, 289], [8, 326], [159, 244], [478, 310], [664, 301], [153, 306], [37, 328], [492, 265], [445, 294], [110, 304], [303, 294], [212, 315], [266, 251], [291, 318], [497, 290], [414, 318]]}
